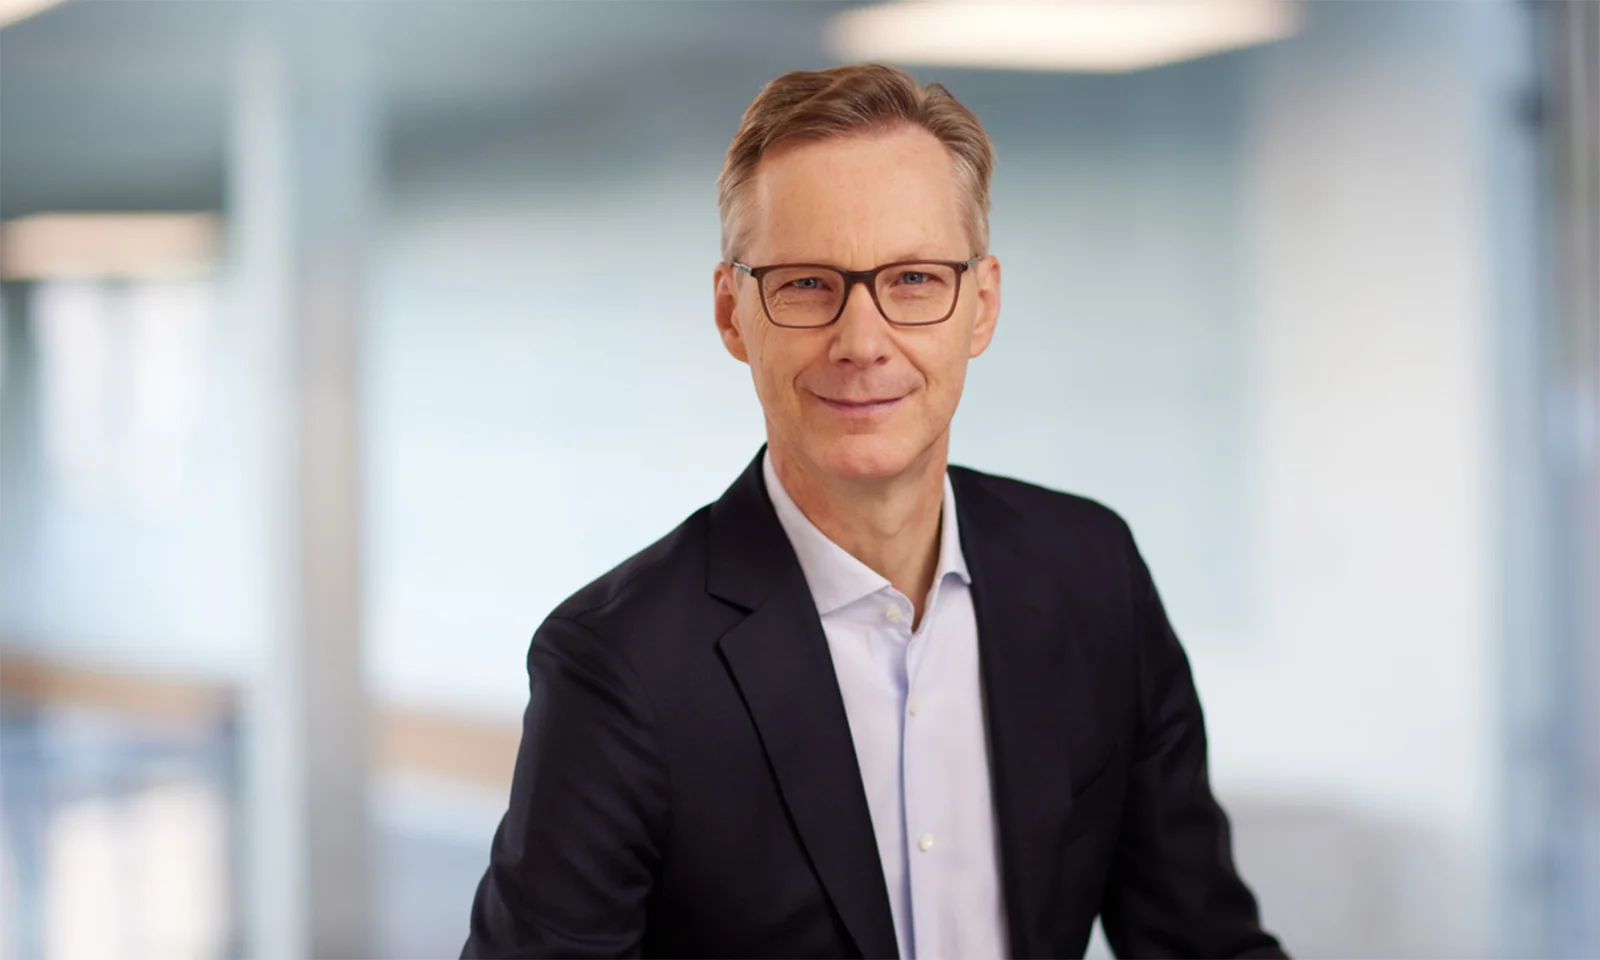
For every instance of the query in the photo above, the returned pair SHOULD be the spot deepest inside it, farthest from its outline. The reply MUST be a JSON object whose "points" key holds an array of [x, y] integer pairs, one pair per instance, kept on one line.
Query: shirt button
{"points": [[912, 706], [925, 842], [893, 613]]}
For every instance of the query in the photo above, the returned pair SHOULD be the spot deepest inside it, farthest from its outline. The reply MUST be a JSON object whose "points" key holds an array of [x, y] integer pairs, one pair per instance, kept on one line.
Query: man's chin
{"points": [[867, 457]]}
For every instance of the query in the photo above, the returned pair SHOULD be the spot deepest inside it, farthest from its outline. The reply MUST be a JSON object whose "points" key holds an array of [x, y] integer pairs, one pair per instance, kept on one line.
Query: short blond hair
{"points": [[808, 106]]}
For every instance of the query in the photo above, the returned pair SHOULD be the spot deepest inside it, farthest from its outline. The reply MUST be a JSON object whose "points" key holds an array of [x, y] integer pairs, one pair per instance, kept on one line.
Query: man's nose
{"points": [[861, 334]]}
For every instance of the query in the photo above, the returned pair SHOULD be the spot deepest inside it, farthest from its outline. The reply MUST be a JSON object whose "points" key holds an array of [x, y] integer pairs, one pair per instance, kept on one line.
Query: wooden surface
{"points": [[433, 743]]}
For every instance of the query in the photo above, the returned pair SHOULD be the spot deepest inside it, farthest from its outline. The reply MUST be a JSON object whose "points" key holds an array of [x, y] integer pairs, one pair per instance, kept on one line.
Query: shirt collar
{"points": [[835, 577]]}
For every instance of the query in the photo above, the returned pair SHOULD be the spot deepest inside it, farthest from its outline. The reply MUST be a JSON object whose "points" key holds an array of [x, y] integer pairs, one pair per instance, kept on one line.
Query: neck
{"points": [[891, 525]]}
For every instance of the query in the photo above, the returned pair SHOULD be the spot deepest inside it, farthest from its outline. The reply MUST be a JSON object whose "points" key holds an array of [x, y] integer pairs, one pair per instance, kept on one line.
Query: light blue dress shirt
{"points": [[915, 707]]}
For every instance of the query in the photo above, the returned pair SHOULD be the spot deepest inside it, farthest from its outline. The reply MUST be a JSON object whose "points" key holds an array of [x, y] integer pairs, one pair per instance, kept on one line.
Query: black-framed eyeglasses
{"points": [[909, 293]]}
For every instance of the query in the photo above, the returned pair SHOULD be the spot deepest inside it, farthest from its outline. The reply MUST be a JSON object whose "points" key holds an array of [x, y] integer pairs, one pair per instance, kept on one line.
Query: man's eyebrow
{"points": [[918, 253], [911, 256], [795, 258]]}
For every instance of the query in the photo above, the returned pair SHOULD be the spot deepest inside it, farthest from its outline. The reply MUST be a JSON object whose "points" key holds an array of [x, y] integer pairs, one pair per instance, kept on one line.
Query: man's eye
{"points": [[913, 277], [805, 283]]}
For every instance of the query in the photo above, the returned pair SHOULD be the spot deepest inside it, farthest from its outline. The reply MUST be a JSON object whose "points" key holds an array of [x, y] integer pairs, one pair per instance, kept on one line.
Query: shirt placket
{"points": [[921, 797]]}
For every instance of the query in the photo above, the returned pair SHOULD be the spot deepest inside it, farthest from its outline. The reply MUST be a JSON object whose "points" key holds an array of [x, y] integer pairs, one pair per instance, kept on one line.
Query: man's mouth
{"points": [[866, 407]]}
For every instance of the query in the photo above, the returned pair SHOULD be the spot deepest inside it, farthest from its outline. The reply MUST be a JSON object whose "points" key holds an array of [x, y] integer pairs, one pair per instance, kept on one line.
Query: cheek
{"points": [[944, 397], [777, 367], [782, 358], [943, 368]]}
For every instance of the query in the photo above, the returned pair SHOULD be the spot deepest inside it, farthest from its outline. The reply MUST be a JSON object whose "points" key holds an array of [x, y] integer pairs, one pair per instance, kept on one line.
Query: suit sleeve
{"points": [[1173, 890], [572, 864]]}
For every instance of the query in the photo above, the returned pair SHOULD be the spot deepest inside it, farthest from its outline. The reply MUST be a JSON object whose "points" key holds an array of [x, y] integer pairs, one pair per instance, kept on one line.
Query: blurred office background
{"points": [[341, 342]]}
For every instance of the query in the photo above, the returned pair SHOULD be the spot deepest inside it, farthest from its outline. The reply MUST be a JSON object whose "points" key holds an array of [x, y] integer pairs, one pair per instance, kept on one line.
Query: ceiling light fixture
{"points": [[12, 11], [109, 245], [1092, 36]]}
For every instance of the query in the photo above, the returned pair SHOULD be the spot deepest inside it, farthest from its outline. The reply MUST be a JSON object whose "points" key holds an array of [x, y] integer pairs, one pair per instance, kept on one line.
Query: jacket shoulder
{"points": [[1048, 513], [660, 586]]}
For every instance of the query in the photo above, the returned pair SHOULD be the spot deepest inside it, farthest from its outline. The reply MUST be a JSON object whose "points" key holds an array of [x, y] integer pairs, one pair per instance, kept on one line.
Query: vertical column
{"points": [[337, 166], [303, 163], [1526, 512], [19, 447], [21, 816], [1572, 47]]}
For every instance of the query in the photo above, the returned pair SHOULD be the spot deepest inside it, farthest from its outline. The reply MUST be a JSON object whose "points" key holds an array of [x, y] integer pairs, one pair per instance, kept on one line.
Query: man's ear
{"points": [[986, 277], [726, 309]]}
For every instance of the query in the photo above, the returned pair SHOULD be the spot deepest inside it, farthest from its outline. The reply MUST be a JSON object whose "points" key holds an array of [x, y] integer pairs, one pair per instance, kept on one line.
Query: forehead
{"points": [[857, 201]]}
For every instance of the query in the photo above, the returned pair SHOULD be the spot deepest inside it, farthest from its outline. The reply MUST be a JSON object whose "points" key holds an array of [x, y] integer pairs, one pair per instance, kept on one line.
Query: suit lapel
{"points": [[778, 657], [1025, 658]]}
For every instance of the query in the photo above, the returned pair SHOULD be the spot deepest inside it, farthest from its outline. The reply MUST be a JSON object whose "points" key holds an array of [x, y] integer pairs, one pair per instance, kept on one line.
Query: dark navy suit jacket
{"points": [[687, 786]]}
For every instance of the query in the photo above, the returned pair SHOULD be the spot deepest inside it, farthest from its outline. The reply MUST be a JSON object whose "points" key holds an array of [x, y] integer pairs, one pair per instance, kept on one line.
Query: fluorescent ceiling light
{"points": [[13, 10], [109, 245], [1095, 36]]}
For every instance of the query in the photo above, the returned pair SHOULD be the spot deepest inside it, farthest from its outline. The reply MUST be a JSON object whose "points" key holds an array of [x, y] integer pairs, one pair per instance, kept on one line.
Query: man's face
{"points": [[860, 399]]}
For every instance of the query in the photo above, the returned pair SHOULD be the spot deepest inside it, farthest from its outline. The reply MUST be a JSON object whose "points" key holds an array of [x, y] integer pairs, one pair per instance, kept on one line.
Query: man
{"points": [[864, 704]]}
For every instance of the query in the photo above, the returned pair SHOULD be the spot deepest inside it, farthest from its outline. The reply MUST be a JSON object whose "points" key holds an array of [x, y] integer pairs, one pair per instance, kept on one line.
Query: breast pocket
{"points": [[1097, 804]]}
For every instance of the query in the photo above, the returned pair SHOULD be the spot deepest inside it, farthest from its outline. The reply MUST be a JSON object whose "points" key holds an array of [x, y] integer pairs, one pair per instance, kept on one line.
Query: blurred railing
{"points": [[120, 826]]}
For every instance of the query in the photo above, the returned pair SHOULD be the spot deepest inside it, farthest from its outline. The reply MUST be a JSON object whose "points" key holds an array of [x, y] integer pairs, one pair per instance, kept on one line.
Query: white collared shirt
{"points": [[915, 708]]}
